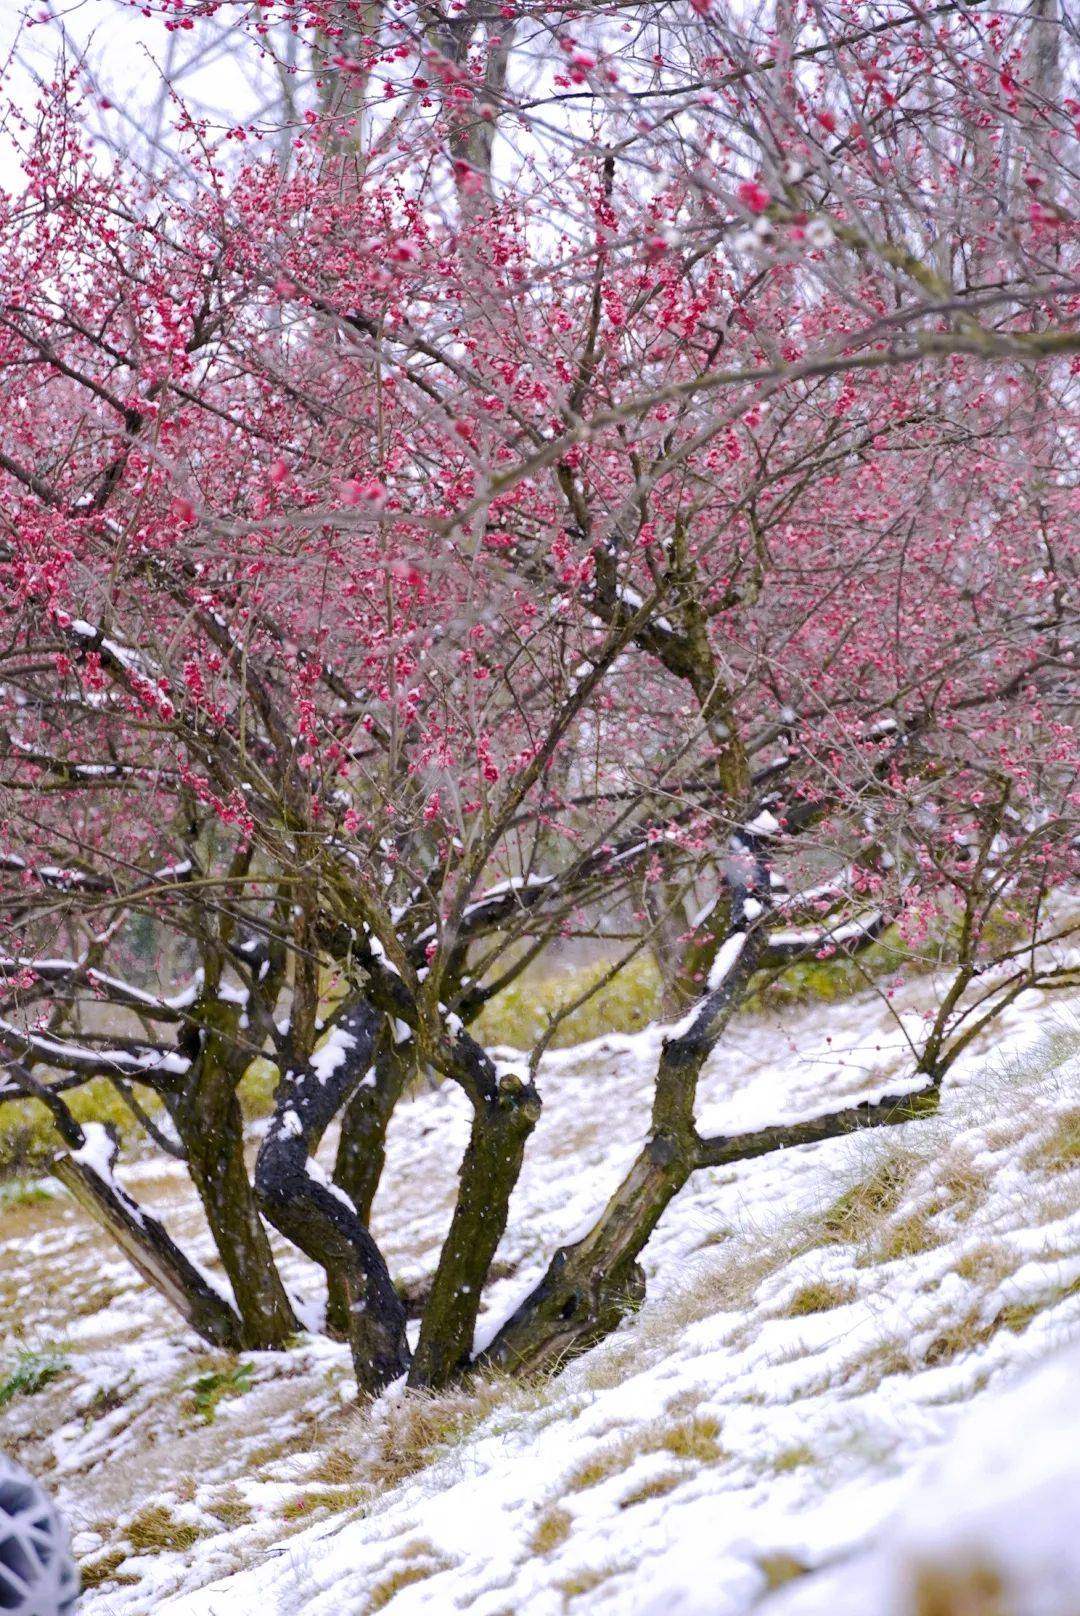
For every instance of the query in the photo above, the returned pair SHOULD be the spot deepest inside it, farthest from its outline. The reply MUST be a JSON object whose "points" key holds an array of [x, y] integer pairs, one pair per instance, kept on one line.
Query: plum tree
{"points": [[603, 472]]}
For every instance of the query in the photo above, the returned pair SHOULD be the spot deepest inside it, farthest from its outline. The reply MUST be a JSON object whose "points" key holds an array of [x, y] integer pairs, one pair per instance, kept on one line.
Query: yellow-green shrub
{"points": [[520, 1013], [27, 1135]]}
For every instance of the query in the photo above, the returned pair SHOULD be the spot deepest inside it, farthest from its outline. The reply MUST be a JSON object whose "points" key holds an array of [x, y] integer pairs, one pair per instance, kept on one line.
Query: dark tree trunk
{"points": [[215, 1146], [590, 1285], [361, 1152], [86, 1169], [319, 1217], [505, 1111], [148, 1247], [208, 1119]]}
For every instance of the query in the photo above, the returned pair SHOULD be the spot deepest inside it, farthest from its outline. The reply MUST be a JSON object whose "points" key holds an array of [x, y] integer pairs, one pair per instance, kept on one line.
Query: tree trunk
{"points": [[145, 1242], [319, 1217], [361, 1152], [215, 1146], [590, 1285], [503, 1119], [208, 1119]]}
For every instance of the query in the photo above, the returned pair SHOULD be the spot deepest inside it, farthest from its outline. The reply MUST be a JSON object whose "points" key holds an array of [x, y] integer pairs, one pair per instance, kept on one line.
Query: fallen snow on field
{"points": [[845, 1393]]}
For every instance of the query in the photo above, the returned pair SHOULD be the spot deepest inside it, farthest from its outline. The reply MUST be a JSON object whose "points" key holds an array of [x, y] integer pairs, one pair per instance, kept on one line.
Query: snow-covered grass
{"points": [[761, 1435]]}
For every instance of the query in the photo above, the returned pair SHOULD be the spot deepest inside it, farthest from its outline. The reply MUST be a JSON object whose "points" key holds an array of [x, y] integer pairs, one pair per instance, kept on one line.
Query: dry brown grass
{"points": [[907, 1237], [962, 1185], [552, 1529], [382, 1444], [337, 1467], [1058, 1151], [819, 1296], [889, 1356], [727, 1284], [986, 1264], [586, 1582], [859, 1211], [959, 1336], [314, 1501], [964, 1591], [656, 1487], [156, 1530], [695, 1437], [102, 1567], [422, 1561], [780, 1569], [230, 1507], [391, 1586], [793, 1458]]}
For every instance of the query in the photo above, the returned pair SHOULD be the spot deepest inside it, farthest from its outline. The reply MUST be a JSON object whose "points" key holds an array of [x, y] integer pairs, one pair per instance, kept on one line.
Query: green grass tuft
{"points": [[216, 1387], [28, 1139], [33, 1371], [24, 1192]]}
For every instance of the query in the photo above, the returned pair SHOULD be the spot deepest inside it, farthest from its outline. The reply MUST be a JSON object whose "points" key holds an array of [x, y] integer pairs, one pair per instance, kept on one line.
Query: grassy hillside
{"points": [[817, 1323]]}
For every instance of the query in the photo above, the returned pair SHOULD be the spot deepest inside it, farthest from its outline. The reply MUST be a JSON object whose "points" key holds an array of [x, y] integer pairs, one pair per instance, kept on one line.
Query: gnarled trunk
{"points": [[361, 1152], [505, 1112], [590, 1284], [319, 1217], [208, 1119]]}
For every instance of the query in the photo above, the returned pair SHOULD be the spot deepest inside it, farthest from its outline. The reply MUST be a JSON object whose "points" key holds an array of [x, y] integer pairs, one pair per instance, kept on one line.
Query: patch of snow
{"points": [[318, 1176], [332, 1053], [171, 872], [726, 957], [833, 1427]]}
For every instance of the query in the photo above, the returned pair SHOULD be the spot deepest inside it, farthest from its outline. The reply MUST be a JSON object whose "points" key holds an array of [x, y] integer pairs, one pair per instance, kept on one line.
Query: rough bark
{"points": [[208, 1119], [505, 1111], [149, 1248], [888, 1112], [591, 1283], [317, 1216], [361, 1152]]}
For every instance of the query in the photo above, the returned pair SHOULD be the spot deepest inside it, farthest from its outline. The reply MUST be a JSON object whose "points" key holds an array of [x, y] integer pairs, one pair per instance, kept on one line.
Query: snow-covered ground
{"points": [[851, 1389]]}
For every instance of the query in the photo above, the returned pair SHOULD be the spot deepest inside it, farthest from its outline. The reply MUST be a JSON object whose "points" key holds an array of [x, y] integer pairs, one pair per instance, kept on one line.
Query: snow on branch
{"points": [[141, 1061]]}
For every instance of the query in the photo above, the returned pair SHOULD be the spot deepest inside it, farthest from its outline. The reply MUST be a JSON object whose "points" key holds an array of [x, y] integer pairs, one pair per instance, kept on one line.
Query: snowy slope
{"points": [[822, 1328]]}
